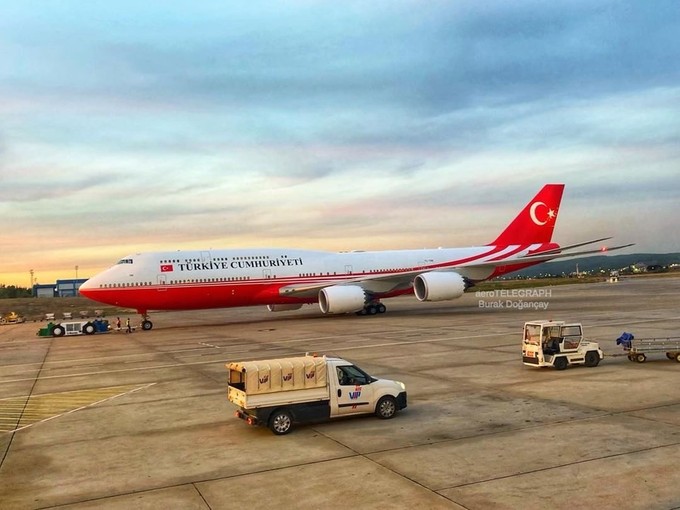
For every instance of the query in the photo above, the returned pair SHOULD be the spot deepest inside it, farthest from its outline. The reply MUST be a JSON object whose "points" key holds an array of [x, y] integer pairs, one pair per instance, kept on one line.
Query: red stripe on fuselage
{"points": [[203, 295]]}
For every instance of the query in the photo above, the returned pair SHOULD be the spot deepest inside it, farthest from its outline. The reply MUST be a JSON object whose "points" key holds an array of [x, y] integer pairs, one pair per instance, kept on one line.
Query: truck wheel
{"points": [[89, 329], [640, 358], [58, 331], [386, 407], [677, 357], [592, 358], [560, 363], [281, 422]]}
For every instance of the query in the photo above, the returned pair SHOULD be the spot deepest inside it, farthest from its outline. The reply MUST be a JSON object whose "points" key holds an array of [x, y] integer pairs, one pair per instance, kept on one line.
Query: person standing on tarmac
{"points": [[127, 325]]}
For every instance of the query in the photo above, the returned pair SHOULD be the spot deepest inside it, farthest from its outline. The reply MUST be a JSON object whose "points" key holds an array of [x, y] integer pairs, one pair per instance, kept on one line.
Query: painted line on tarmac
{"points": [[195, 363], [206, 346], [19, 413]]}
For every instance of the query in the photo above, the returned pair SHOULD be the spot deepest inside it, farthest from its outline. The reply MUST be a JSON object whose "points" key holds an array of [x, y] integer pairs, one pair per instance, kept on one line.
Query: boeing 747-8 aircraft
{"points": [[345, 282]]}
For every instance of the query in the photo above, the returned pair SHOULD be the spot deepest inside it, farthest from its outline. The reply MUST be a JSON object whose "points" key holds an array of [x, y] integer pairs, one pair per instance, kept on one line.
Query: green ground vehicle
{"points": [[75, 328]]}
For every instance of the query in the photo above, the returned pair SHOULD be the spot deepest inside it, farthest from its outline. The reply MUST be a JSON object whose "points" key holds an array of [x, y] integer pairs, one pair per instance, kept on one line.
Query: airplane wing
{"points": [[388, 282]]}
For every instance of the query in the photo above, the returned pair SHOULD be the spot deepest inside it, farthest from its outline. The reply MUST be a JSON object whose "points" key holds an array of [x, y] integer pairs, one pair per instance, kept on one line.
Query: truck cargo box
{"points": [[261, 382]]}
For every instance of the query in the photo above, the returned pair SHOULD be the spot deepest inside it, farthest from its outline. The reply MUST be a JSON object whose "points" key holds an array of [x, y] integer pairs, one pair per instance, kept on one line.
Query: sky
{"points": [[134, 126]]}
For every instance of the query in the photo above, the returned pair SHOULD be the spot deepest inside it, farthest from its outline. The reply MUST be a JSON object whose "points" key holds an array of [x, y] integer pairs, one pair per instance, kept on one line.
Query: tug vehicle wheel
{"points": [[560, 363], [592, 358]]}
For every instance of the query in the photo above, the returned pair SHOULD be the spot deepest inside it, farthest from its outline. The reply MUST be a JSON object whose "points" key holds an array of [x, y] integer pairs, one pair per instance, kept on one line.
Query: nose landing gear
{"points": [[146, 323]]}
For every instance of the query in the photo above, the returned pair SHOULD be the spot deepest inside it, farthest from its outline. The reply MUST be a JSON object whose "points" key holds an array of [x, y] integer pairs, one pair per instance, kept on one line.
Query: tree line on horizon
{"points": [[12, 291]]}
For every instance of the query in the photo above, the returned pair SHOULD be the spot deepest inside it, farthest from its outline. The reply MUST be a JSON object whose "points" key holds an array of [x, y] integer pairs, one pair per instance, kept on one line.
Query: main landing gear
{"points": [[372, 309]]}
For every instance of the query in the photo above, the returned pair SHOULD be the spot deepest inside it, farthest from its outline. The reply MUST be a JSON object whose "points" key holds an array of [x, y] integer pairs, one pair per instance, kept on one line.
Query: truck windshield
{"points": [[532, 334]]}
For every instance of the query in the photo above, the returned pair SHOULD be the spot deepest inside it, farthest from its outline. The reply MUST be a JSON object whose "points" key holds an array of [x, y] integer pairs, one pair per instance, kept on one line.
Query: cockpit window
{"points": [[125, 261]]}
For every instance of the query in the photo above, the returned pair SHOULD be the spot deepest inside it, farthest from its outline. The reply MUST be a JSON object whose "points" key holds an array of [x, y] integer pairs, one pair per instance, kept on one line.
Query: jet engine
{"points": [[342, 299], [284, 308], [438, 286]]}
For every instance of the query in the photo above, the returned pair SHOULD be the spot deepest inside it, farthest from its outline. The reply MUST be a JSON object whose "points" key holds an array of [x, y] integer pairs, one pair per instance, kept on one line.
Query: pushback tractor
{"points": [[558, 344]]}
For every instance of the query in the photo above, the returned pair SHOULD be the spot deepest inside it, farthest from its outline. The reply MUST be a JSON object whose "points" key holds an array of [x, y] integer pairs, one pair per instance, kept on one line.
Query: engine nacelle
{"points": [[342, 299], [438, 286], [284, 308]]}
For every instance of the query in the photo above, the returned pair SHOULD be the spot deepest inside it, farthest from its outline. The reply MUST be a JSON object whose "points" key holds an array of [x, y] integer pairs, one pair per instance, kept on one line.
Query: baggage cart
{"points": [[639, 348]]}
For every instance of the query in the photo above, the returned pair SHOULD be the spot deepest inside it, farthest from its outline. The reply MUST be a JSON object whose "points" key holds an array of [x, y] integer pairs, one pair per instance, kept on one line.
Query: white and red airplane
{"points": [[344, 282]]}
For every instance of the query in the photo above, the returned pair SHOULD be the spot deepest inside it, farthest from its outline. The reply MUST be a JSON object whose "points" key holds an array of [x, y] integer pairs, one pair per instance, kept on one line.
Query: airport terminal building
{"points": [[62, 288]]}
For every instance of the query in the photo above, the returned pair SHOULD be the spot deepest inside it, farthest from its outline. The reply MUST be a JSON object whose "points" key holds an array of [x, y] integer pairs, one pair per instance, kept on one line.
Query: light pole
{"points": [[30, 285]]}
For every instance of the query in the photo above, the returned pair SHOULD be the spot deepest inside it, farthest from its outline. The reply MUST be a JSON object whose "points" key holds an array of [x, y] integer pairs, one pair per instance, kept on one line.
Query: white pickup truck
{"points": [[277, 393]]}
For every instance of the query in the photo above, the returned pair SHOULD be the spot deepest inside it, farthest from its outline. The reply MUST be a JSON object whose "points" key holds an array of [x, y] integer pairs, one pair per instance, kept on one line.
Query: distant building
{"points": [[69, 288], [63, 288], [48, 290]]}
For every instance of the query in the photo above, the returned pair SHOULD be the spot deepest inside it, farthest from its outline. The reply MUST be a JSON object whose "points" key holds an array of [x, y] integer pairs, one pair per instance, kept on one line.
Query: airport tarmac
{"points": [[141, 420]]}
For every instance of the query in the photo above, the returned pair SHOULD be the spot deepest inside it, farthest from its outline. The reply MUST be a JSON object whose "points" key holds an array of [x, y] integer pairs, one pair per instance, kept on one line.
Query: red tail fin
{"points": [[536, 222]]}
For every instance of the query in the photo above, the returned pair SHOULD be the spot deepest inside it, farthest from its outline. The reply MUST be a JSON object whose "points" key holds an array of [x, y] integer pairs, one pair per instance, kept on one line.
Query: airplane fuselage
{"points": [[185, 280], [342, 282]]}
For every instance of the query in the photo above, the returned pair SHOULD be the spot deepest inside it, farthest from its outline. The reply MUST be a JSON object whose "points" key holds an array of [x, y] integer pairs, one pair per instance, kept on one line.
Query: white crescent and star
{"points": [[532, 213]]}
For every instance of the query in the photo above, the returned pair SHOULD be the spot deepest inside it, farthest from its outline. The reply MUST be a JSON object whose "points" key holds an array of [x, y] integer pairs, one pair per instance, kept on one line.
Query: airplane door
{"points": [[266, 273], [162, 280], [206, 256], [348, 269]]}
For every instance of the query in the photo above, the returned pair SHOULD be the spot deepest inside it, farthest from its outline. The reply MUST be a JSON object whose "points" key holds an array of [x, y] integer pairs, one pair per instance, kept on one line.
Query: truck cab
{"points": [[557, 344], [277, 393]]}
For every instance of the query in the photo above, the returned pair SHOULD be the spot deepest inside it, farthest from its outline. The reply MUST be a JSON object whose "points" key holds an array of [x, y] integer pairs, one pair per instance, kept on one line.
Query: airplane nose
{"points": [[86, 288]]}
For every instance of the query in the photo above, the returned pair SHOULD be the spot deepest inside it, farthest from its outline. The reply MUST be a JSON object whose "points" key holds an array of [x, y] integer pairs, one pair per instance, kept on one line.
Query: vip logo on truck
{"points": [[264, 379], [353, 395], [287, 377], [310, 375]]}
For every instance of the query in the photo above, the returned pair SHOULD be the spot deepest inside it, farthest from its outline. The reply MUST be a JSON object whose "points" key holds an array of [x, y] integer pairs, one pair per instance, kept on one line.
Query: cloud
{"points": [[376, 125]]}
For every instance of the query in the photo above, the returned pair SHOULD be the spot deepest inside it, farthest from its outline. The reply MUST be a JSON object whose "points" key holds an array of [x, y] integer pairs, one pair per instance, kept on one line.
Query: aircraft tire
{"points": [[147, 325]]}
